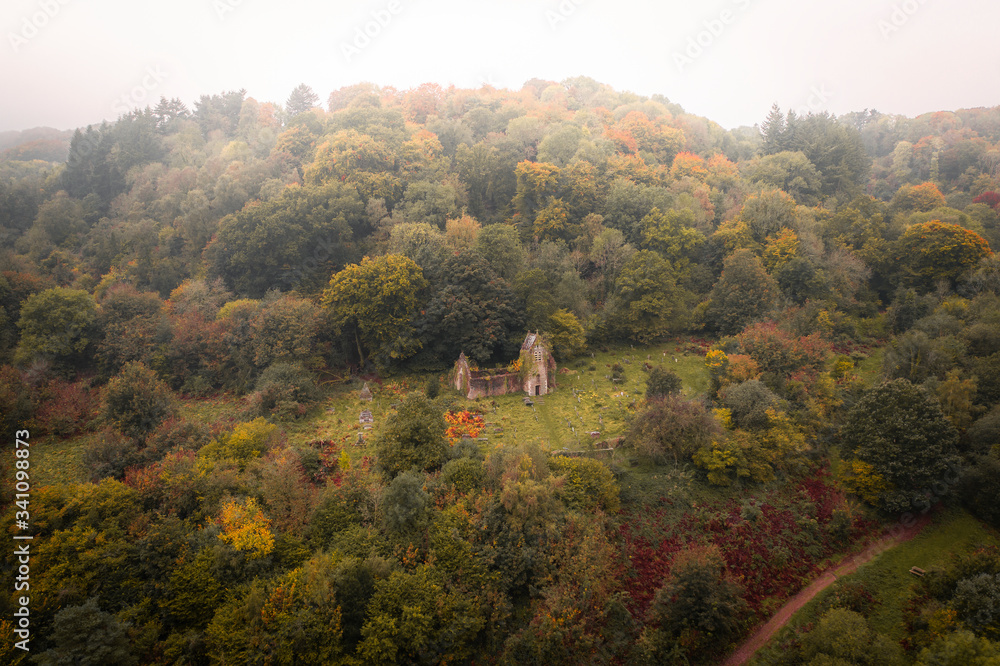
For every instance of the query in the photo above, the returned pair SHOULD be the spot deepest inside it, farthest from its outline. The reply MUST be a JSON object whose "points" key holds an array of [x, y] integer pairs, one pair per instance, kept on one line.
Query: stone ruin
{"points": [[536, 377]]}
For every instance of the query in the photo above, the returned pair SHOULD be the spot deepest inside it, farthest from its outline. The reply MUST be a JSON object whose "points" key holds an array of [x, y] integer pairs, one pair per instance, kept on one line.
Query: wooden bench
{"points": [[917, 571]]}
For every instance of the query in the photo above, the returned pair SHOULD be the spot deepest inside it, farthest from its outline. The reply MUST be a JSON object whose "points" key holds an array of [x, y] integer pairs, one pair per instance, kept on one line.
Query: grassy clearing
{"points": [[584, 401], [888, 578], [59, 460]]}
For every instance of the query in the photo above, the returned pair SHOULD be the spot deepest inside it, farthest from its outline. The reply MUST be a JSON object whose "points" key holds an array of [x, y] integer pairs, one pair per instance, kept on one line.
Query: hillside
{"points": [[772, 344]]}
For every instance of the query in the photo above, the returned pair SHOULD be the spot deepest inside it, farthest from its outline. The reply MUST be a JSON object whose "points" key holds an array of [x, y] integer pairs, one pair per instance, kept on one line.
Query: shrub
{"points": [[412, 437], [662, 383], [588, 485], [65, 408], [284, 390], [748, 403], [246, 442], [672, 427], [466, 474], [109, 455], [135, 401]]}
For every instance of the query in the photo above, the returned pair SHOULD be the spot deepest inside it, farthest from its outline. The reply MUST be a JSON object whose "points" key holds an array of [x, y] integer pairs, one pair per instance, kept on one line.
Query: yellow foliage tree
{"points": [[246, 528]]}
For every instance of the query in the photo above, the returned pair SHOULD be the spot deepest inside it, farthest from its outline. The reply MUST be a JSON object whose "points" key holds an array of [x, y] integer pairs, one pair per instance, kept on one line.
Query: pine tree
{"points": [[301, 100], [773, 131]]}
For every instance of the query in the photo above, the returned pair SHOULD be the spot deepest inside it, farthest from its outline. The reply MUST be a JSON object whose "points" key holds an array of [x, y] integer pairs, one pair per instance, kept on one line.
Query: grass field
{"points": [[585, 401], [889, 579]]}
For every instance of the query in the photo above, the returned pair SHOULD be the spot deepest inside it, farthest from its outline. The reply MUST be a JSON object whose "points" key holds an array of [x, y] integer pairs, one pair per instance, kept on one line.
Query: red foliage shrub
{"points": [[991, 199], [65, 408], [778, 352], [771, 554]]}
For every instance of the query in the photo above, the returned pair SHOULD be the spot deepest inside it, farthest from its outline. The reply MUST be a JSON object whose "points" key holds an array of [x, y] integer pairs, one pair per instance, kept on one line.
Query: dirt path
{"points": [[848, 565]]}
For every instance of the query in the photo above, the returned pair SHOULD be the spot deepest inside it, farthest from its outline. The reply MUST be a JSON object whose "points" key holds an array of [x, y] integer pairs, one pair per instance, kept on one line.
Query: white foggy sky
{"points": [[804, 54]]}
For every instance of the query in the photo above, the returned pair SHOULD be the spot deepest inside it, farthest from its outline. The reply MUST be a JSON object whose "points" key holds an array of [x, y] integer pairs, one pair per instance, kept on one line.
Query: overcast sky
{"points": [[67, 63]]}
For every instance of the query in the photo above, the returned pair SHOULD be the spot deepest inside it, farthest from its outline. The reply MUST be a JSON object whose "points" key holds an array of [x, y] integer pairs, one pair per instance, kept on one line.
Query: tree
{"points": [[301, 100], [844, 635], [284, 390], [960, 648], [129, 319], [136, 401], [418, 618], [748, 403], [375, 302], [87, 636], [787, 171], [672, 234], [472, 310], [647, 302], [698, 596], [15, 400], [58, 325], [934, 251], [566, 334], [900, 433], [917, 198], [500, 247], [413, 436], [744, 293], [292, 242], [588, 484], [662, 383], [772, 131], [405, 504]]}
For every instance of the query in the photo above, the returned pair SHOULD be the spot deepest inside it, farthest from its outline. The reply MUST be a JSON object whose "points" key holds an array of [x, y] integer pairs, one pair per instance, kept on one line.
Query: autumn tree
{"points": [[647, 301], [413, 436], [744, 293], [699, 600], [935, 251], [58, 325], [919, 198], [293, 241], [375, 302], [136, 401], [903, 445]]}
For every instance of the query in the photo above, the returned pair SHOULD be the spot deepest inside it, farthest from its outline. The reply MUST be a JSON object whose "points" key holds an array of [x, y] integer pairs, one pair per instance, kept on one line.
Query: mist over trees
{"points": [[794, 328]]}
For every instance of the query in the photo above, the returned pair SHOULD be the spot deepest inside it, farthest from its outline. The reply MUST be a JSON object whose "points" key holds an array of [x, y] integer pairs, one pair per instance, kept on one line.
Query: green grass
{"points": [[870, 369], [59, 460], [889, 579], [598, 406]]}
